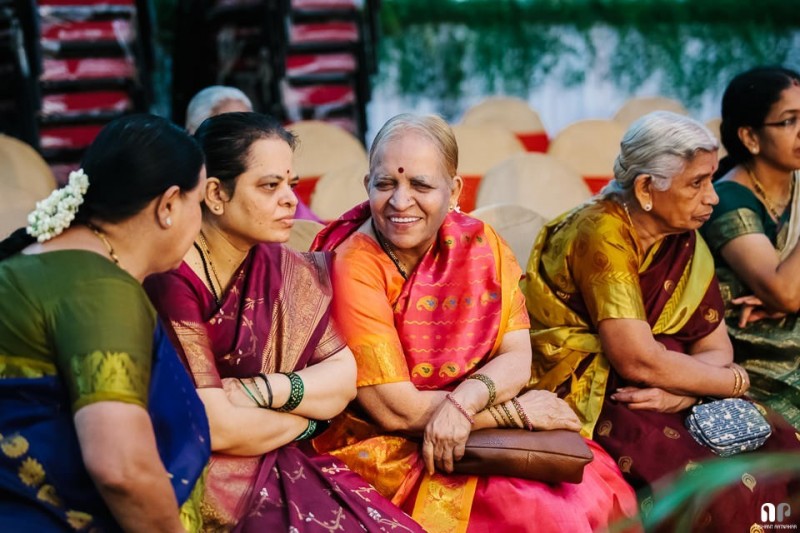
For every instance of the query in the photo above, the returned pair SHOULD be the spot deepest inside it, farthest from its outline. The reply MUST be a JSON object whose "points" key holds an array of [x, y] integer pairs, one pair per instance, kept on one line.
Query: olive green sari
{"points": [[768, 349]]}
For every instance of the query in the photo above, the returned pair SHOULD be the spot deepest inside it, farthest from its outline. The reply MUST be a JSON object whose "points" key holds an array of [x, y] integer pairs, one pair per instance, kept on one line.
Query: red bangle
{"points": [[461, 408]]}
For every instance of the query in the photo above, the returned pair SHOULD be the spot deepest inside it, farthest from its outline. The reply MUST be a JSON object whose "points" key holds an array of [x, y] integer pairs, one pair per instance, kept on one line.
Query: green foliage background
{"points": [[430, 48]]}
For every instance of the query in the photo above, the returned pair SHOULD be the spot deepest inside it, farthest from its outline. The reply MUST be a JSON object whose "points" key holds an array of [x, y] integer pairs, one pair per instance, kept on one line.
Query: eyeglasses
{"points": [[786, 124]]}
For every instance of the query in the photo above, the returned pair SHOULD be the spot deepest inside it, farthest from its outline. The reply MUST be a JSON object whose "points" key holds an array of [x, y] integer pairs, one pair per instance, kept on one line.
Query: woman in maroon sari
{"points": [[251, 319], [627, 318]]}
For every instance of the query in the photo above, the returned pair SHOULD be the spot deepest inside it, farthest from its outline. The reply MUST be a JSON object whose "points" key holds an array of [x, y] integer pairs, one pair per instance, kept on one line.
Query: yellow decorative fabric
{"points": [[24, 367], [444, 502], [599, 241], [109, 376]]}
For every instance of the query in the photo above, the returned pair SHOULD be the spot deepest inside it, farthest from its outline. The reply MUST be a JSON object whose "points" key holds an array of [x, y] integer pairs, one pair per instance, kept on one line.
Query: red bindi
{"points": [[400, 170]]}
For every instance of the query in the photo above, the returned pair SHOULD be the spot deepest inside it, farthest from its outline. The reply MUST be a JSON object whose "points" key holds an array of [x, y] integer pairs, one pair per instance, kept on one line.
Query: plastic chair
{"points": [[517, 225], [479, 149], [303, 233], [25, 179], [538, 182], [339, 190], [589, 147], [638, 107], [322, 148], [513, 114]]}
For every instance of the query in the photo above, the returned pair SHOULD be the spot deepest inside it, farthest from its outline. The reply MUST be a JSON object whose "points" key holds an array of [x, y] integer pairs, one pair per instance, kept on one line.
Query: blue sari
{"points": [[44, 485]]}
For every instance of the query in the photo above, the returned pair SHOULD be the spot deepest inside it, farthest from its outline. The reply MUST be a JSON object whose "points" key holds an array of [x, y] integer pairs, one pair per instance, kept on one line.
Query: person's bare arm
{"points": [[119, 449], [777, 284], [637, 357], [240, 427]]}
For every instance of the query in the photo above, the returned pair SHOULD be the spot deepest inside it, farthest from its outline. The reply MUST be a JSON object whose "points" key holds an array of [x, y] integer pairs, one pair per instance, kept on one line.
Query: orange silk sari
{"points": [[434, 330]]}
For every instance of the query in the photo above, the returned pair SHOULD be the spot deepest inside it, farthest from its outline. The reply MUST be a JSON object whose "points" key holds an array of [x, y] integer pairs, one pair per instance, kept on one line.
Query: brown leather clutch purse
{"points": [[556, 456]]}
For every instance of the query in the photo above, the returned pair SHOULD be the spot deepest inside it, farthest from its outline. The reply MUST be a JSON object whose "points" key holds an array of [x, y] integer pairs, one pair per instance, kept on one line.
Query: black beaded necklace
{"points": [[207, 272], [386, 247]]}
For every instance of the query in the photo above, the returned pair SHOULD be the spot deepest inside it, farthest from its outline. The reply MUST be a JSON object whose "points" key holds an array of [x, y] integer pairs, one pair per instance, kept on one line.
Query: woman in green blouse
{"points": [[754, 231], [100, 427]]}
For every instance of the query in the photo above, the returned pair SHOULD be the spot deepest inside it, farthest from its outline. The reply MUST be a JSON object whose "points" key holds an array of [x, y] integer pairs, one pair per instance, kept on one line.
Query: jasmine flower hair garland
{"points": [[55, 213]]}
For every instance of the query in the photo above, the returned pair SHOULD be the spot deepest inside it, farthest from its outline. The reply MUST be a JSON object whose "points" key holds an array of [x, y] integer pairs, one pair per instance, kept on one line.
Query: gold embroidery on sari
{"points": [[14, 446], [444, 503], [31, 472], [749, 481], [23, 367], [101, 376]]}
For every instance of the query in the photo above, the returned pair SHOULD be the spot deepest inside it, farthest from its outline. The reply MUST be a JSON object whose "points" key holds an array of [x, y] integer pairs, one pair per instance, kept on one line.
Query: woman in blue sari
{"points": [[100, 427]]}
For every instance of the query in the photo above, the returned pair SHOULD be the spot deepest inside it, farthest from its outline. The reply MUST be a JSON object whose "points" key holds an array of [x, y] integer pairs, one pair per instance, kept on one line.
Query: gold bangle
{"points": [[513, 423], [486, 380], [737, 382], [497, 418]]}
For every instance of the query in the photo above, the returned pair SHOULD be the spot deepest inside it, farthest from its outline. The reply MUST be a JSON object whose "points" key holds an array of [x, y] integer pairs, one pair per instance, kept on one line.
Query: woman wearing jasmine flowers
{"points": [[100, 427]]}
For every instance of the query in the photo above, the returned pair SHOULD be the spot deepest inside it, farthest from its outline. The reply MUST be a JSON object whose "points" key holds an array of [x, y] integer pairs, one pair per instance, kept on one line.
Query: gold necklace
{"points": [[102, 236], [205, 257], [386, 246], [773, 210]]}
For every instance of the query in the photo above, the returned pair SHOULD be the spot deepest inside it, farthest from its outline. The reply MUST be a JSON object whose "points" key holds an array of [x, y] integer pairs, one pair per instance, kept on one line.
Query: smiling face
{"points": [[262, 206], [778, 139], [410, 194], [688, 203]]}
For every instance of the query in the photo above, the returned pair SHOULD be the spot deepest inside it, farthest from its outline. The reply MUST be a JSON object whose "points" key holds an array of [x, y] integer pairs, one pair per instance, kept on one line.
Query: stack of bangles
{"points": [[502, 415], [297, 390], [739, 379]]}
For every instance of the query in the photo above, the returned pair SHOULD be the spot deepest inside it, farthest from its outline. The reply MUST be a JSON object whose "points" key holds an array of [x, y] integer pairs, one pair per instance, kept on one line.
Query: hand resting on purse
{"points": [[556, 456]]}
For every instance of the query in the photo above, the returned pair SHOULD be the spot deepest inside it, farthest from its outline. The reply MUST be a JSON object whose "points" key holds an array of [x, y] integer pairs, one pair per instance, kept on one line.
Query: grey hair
{"points": [[203, 104], [659, 144], [431, 127]]}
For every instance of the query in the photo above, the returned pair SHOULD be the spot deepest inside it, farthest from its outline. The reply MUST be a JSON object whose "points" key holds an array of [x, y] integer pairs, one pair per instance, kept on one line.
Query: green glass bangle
{"points": [[489, 382], [295, 394], [248, 392], [310, 429]]}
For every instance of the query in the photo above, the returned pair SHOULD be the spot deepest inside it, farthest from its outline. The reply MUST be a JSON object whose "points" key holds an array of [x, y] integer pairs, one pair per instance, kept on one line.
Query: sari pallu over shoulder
{"points": [[43, 480], [678, 288]]}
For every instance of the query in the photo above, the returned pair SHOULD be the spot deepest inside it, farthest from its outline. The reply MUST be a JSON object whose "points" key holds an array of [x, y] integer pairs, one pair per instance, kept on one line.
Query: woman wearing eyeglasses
{"points": [[753, 232]]}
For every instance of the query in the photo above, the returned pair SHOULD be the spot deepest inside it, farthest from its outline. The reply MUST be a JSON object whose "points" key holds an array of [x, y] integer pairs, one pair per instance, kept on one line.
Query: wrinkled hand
{"points": [[753, 310], [445, 438], [547, 411], [653, 399], [236, 394]]}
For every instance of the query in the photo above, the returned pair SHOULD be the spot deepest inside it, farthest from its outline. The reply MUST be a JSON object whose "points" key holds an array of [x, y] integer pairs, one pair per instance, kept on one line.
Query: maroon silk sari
{"points": [[650, 445], [274, 317]]}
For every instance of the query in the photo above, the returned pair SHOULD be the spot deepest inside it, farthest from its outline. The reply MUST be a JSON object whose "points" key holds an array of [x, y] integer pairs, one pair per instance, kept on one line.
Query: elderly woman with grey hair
{"points": [[627, 318], [212, 101]]}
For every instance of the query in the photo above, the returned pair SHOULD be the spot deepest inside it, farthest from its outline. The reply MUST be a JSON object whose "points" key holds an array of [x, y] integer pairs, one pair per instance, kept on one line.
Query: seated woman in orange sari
{"points": [[429, 298], [626, 315], [252, 321]]}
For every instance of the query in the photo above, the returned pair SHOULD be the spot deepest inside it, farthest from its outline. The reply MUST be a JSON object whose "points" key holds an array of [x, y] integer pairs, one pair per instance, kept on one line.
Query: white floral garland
{"points": [[55, 213]]}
